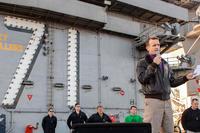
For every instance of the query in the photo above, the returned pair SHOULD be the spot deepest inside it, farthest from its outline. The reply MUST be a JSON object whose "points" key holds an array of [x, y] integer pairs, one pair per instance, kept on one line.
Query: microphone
{"points": [[157, 53], [158, 56]]}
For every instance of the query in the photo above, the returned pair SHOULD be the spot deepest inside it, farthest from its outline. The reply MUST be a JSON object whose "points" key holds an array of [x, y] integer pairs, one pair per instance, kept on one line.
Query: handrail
{"points": [[143, 36]]}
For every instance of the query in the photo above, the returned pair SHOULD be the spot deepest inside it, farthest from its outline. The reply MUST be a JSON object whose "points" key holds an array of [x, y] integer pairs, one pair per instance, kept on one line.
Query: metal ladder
{"points": [[50, 67]]}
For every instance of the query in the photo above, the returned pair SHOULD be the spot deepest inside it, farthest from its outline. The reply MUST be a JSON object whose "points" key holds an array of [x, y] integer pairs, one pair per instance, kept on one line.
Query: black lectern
{"points": [[112, 128]]}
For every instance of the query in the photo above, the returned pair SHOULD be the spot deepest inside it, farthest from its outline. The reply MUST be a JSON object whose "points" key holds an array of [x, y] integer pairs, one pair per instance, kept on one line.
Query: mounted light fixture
{"points": [[86, 87], [132, 80], [28, 83], [59, 85], [116, 89], [104, 77]]}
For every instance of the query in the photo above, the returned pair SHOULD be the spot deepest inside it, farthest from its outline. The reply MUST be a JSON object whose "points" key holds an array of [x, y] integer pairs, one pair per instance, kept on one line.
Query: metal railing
{"points": [[173, 61], [151, 31]]}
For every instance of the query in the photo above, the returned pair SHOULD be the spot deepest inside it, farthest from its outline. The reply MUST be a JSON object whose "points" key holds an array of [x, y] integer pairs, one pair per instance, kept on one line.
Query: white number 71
{"points": [[27, 60]]}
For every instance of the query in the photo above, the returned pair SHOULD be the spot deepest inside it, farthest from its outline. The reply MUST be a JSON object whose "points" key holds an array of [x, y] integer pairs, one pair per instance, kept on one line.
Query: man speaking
{"points": [[157, 79]]}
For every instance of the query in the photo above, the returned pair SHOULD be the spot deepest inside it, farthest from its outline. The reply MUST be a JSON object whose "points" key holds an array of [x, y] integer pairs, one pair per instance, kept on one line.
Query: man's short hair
{"points": [[194, 99], [99, 106], [77, 104], [133, 106], [151, 38]]}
